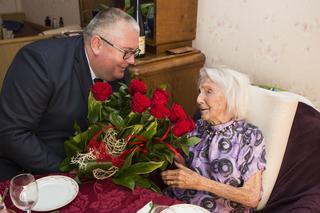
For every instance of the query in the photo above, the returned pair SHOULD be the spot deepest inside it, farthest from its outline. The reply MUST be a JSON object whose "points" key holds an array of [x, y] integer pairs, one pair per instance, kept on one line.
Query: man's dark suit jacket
{"points": [[44, 93]]}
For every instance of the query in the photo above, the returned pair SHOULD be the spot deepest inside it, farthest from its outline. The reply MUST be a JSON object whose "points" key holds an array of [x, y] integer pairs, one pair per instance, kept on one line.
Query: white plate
{"points": [[55, 192], [186, 208]]}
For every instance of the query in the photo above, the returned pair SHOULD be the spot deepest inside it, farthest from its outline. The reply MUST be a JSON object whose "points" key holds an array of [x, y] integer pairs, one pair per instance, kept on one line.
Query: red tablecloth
{"points": [[104, 196]]}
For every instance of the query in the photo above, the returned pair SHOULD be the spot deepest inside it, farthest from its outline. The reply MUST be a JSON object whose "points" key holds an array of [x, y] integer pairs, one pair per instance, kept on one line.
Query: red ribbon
{"points": [[100, 148], [165, 134], [169, 146], [175, 152], [101, 152], [140, 143]]}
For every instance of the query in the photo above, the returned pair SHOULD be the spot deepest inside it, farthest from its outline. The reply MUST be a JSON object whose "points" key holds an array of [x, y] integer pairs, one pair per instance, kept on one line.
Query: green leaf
{"points": [[127, 163], [185, 149], [123, 89], [143, 167], [95, 112], [193, 141], [117, 121], [126, 181], [168, 156], [116, 95], [164, 86], [131, 130], [123, 86], [150, 130], [71, 147], [142, 181], [113, 102], [105, 113], [154, 187], [164, 166], [77, 128], [91, 101], [77, 143], [133, 118], [91, 165], [77, 179], [78, 138], [66, 166]]}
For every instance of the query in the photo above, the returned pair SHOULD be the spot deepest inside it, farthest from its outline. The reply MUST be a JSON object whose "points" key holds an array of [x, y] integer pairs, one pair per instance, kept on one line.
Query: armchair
{"points": [[291, 128]]}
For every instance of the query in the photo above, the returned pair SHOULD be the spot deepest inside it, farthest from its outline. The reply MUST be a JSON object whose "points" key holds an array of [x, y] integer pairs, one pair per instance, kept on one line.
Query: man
{"points": [[46, 90]]}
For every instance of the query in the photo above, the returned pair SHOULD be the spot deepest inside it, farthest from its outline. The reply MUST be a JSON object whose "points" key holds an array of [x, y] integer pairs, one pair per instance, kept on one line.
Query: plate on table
{"points": [[55, 192], [186, 208]]}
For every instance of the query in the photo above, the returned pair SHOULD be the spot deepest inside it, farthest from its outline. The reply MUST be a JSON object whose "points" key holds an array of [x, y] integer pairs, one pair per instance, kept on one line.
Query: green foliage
{"points": [[150, 141]]}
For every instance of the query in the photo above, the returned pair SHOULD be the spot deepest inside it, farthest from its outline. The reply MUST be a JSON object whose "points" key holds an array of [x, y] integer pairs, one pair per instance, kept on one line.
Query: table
{"points": [[28, 29], [104, 196]]}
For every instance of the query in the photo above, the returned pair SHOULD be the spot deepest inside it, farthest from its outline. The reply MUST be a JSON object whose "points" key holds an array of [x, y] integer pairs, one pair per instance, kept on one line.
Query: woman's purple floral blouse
{"points": [[229, 153]]}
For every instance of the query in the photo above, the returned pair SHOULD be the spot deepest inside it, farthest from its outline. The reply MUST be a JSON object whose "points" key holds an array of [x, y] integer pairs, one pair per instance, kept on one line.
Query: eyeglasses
{"points": [[126, 54]]}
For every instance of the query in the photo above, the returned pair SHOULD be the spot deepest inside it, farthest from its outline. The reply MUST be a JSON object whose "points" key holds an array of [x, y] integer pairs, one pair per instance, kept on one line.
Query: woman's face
{"points": [[212, 102]]}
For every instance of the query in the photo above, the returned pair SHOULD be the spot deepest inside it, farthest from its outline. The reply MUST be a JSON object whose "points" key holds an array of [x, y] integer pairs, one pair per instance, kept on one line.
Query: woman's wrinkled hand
{"points": [[183, 177]]}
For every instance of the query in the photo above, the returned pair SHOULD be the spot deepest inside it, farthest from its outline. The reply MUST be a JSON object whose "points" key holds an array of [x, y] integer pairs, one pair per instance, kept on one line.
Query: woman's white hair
{"points": [[235, 86]]}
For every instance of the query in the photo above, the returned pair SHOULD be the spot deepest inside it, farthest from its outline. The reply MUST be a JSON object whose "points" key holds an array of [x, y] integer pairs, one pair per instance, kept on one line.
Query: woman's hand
{"points": [[182, 177]]}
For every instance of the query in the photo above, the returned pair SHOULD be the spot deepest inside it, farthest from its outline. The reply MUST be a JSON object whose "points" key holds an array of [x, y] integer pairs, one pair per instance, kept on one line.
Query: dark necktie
{"points": [[97, 80]]}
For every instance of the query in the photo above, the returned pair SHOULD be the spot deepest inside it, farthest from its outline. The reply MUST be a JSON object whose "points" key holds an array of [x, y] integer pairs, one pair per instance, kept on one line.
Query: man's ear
{"points": [[96, 45]]}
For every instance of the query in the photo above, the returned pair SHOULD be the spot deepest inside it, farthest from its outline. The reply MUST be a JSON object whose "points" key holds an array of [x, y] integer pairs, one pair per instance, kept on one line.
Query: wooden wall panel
{"points": [[176, 20], [8, 50], [179, 71]]}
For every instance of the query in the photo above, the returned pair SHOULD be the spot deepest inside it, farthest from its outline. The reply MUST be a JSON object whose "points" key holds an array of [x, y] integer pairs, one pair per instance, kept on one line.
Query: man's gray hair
{"points": [[235, 86], [105, 21]]}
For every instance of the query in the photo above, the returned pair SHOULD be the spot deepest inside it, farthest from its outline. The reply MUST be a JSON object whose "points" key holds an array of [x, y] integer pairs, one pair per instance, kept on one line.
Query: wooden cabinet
{"points": [[87, 8], [180, 72], [174, 21]]}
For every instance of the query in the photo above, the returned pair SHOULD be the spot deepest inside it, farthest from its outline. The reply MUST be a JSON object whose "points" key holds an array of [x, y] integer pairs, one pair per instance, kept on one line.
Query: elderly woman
{"points": [[223, 171]]}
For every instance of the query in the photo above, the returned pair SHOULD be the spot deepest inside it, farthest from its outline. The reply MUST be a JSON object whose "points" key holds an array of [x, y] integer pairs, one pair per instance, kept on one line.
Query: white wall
{"points": [[276, 42], [37, 10], [10, 6]]}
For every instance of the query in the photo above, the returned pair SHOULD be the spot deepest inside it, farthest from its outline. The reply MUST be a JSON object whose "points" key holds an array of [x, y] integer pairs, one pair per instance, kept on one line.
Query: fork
{"points": [[2, 205]]}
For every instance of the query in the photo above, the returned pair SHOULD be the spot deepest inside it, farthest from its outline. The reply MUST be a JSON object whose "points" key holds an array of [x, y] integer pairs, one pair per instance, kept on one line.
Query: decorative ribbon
{"points": [[169, 146], [141, 142], [93, 140], [174, 151]]}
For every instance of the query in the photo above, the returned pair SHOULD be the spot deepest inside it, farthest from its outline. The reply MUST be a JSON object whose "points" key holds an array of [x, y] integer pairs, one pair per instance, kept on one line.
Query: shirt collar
{"points": [[93, 75]]}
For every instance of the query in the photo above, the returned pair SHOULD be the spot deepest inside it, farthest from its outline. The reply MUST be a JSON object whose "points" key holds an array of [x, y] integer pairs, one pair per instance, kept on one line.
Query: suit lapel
{"points": [[81, 69]]}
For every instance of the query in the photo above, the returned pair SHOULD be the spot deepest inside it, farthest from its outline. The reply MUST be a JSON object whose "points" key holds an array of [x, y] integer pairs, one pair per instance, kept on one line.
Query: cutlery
{"points": [[3, 198]]}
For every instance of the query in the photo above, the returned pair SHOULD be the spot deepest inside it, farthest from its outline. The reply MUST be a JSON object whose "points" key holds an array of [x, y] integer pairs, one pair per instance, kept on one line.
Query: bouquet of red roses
{"points": [[130, 134]]}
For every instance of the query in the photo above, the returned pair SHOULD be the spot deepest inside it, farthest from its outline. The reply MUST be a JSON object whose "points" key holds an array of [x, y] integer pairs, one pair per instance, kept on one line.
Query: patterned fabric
{"points": [[229, 153]]}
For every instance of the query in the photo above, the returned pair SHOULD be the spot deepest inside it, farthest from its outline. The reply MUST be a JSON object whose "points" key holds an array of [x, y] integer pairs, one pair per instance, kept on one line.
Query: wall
{"points": [[10, 6], [37, 10], [276, 42], [68, 9]]}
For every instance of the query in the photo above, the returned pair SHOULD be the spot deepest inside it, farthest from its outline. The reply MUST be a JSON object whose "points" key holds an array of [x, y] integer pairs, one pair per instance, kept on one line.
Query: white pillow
{"points": [[273, 113]]}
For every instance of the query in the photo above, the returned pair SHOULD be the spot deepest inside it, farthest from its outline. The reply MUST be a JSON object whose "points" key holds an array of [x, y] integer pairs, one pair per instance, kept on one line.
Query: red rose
{"points": [[160, 111], [101, 91], [139, 103], [183, 126], [160, 97], [137, 86], [177, 113]]}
